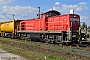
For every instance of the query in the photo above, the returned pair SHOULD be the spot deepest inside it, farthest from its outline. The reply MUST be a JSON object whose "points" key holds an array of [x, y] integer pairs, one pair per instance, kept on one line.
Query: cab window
{"points": [[49, 14]]}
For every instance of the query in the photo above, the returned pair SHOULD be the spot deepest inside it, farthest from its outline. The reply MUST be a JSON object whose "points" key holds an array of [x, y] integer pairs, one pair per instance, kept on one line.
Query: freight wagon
{"points": [[9, 28], [0, 28], [52, 27]]}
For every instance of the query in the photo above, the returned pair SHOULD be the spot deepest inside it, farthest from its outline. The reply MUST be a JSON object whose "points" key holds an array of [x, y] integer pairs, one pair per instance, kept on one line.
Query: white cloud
{"points": [[14, 9], [82, 3], [55, 8], [77, 7], [22, 10], [85, 17], [57, 3], [2, 2]]}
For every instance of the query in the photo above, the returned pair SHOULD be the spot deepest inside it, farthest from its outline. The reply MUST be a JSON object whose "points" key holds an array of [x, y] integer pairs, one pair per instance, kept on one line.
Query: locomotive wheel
{"points": [[67, 43], [29, 39], [12, 36], [46, 41], [80, 41]]}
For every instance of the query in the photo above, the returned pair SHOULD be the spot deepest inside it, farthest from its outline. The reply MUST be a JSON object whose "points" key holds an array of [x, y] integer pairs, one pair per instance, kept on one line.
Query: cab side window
{"points": [[49, 14], [41, 15]]}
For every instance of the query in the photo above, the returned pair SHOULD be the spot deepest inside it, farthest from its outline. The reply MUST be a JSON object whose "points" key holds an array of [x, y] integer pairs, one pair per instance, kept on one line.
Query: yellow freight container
{"points": [[9, 26], [0, 26]]}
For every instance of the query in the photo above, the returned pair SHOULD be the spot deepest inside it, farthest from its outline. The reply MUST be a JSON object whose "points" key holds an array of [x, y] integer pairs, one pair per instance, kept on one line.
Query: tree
{"points": [[84, 25], [88, 28]]}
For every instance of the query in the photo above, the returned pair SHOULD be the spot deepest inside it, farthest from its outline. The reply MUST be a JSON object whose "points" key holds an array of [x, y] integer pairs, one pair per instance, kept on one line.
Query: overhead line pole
{"points": [[13, 16]]}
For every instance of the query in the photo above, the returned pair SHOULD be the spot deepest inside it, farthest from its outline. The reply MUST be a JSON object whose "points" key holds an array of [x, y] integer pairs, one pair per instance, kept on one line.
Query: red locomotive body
{"points": [[48, 23], [64, 22], [33, 24], [51, 27]]}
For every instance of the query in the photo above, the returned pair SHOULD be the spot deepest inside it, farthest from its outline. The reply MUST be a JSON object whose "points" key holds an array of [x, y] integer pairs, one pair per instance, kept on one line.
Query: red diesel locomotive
{"points": [[51, 27]]}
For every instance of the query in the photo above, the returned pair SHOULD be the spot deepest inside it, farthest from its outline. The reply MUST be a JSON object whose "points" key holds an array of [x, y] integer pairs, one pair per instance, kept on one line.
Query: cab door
{"points": [[75, 23]]}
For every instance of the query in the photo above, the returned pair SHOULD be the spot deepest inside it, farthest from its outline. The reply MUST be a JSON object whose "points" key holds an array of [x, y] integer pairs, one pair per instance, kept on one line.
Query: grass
{"points": [[20, 41], [29, 55], [38, 44], [70, 50], [42, 56]]}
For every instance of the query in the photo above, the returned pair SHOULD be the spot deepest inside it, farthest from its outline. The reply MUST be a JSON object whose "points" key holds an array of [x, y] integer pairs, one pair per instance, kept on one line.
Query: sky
{"points": [[27, 9]]}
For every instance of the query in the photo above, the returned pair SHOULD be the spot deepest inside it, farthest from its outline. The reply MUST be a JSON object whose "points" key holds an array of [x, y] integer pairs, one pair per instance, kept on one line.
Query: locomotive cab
{"points": [[74, 27], [75, 22], [52, 13], [48, 14]]}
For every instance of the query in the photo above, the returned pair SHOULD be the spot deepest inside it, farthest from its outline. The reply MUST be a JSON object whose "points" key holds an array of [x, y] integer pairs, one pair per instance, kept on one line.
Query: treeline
{"points": [[84, 25], [88, 28]]}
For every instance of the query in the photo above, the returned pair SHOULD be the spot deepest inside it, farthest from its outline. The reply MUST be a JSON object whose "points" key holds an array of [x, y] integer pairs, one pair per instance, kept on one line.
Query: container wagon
{"points": [[0, 28]]}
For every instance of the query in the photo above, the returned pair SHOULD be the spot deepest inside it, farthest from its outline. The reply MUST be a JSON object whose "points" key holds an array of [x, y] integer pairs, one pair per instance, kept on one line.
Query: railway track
{"points": [[82, 46], [50, 51]]}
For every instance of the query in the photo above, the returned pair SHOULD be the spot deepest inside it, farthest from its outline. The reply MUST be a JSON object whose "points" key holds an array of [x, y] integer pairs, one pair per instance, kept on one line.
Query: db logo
{"points": [[6, 24]]}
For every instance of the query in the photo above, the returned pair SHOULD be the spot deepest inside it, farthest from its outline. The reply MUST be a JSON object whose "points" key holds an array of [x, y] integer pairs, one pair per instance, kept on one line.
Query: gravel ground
{"points": [[88, 39], [4, 55]]}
